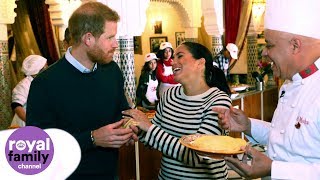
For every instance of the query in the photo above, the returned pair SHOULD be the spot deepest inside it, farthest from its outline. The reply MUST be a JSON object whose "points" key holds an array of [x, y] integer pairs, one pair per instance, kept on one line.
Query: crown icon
{"points": [[21, 145]]}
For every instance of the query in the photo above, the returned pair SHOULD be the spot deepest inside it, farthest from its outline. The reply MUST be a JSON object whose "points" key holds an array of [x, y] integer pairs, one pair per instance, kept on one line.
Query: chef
{"points": [[31, 66], [226, 59], [293, 136]]}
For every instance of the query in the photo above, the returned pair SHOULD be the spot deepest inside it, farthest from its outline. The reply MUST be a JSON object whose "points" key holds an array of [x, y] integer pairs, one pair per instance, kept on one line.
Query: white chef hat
{"points": [[233, 50], [165, 45], [293, 16], [33, 64], [150, 56]]}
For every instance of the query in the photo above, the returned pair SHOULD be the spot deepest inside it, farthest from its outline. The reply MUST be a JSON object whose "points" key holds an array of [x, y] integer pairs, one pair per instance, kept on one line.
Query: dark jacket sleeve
{"points": [[142, 89]]}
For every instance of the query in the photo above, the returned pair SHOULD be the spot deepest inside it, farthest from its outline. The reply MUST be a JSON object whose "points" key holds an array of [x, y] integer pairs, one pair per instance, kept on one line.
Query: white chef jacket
{"points": [[293, 136], [19, 95]]}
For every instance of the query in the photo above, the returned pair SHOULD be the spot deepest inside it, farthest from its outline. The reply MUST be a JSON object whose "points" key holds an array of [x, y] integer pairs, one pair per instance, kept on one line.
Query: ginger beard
{"points": [[97, 55]]}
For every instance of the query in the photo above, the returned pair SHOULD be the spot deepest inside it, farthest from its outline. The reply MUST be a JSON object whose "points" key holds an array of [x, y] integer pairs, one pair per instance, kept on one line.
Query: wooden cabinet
{"points": [[270, 101], [252, 105], [257, 104], [149, 163], [150, 160], [127, 163]]}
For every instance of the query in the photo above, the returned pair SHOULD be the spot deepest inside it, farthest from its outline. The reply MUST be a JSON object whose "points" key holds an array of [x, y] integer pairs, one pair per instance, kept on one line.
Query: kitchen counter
{"points": [[257, 104], [252, 90]]}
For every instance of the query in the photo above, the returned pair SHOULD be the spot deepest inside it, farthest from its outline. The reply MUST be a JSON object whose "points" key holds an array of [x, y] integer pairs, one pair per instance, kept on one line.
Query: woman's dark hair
{"points": [[146, 69], [214, 76], [160, 54]]}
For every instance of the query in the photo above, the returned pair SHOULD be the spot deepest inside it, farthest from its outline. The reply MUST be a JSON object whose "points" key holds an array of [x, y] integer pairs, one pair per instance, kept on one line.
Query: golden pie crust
{"points": [[213, 143], [129, 122]]}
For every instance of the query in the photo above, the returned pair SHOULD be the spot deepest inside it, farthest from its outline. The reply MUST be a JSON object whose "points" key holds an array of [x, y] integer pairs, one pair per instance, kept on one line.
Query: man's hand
{"points": [[134, 137], [260, 164], [113, 135], [233, 119]]}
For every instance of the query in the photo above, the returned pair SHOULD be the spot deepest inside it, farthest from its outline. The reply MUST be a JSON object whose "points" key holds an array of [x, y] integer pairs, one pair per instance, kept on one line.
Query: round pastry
{"points": [[129, 122], [218, 144]]}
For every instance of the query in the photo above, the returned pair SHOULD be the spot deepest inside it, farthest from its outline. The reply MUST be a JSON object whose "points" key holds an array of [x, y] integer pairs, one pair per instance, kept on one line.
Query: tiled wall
{"points": [[124, 57], [252, 58], [216, 45], [5, 87]]}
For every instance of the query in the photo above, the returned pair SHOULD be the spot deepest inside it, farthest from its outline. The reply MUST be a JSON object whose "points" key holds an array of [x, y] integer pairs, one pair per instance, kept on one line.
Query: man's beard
{"points": [[96, 55]]}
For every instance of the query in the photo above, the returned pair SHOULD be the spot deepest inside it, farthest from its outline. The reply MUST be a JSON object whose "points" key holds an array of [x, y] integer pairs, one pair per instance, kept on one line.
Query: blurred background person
{"points": [[185, 110], [31, 66], [147, 91], [226, 59], [164, 67]]}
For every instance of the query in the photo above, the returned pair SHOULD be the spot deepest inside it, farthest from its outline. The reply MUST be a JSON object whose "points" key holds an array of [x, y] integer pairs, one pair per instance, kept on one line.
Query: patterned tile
{"points": [[217, 45], [192, 39], [252, 58], [5, 87], [124, 57]]}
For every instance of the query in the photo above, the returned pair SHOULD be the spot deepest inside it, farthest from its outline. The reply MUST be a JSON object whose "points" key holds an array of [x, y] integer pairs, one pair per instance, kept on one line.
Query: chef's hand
{"points": [[143, 122], [113, 135], [233, 120], [260, 164]]}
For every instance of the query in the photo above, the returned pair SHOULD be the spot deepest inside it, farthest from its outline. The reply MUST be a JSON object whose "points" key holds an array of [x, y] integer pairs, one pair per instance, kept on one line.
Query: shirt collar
{"points": [[74, 62], [308, 71]]}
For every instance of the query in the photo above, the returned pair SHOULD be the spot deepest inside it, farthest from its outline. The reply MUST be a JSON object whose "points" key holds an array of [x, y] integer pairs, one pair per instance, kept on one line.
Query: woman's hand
{"points": [[142, 120]]}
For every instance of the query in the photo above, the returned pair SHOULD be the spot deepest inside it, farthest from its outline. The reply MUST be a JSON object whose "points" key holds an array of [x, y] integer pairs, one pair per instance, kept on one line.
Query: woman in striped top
{"points": [[185, 110]]}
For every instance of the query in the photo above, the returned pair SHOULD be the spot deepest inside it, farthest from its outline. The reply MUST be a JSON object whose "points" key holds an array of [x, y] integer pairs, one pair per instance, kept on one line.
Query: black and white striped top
{"points": [[178, 115]]}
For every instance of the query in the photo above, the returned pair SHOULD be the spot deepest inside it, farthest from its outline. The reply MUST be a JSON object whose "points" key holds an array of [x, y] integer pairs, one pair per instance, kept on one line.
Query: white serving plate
{"points": [[240, 88], [234, 95]]}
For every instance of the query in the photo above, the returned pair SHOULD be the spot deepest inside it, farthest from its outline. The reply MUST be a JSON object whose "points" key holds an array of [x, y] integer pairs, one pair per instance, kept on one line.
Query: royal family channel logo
{"points": [[29, 150]]}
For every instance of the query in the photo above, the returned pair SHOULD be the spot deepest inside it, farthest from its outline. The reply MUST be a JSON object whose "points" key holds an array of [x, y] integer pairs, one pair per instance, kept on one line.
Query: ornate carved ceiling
{"points": [[183, 12]]}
